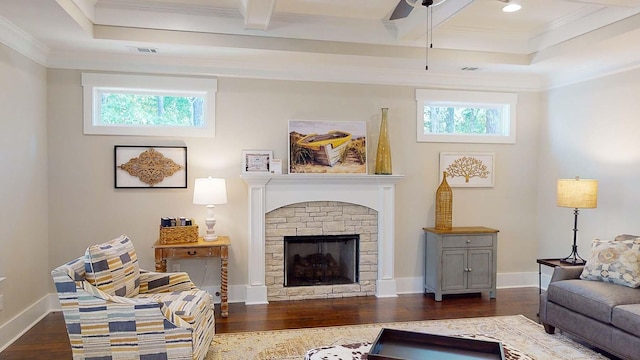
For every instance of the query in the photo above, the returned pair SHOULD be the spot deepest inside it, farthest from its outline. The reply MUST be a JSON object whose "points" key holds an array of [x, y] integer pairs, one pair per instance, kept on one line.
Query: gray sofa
{"points": [[602, 314]]}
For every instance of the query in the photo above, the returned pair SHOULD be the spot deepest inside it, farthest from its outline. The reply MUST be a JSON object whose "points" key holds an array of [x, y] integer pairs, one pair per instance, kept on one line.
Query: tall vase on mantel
{"points": [[383, 155], [444, 205]]}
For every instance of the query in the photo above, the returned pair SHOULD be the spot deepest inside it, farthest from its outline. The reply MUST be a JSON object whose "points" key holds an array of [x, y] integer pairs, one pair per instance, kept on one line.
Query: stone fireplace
{"points": [[271, 196], [333, 223]]}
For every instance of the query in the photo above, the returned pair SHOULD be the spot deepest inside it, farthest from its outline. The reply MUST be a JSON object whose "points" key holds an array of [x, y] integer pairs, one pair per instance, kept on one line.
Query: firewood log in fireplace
{"points": [[315, 267]]}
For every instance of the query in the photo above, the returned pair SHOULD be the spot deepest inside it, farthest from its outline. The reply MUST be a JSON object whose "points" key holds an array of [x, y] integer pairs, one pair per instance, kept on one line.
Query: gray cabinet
{"points": [[460, 260]]}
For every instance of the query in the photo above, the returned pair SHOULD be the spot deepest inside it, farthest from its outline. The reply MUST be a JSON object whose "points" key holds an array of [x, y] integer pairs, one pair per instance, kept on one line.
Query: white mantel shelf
{"points": [[321, 178], [268, 192]]}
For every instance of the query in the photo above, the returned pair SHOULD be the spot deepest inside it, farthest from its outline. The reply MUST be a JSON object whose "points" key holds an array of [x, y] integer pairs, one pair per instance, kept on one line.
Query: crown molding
{"points": [[20, 41]]}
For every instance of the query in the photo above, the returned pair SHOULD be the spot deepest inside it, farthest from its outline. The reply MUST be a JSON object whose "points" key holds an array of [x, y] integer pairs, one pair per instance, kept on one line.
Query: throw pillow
{"points": [[617, 262], [113, 267], [626, 237]]}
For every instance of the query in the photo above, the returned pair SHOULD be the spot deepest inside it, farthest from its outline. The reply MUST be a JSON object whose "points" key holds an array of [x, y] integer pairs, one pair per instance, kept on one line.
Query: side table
{"points": [[218, 248], [552, 263]]}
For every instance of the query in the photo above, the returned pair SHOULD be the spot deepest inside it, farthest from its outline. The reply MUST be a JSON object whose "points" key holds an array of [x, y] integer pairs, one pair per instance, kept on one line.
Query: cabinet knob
{"points": [[468, 241], [470, 270]]}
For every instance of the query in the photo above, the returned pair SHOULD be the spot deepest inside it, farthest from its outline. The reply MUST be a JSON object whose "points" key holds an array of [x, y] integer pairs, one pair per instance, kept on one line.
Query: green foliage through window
{"points": [[463, 120], [131, 109]]}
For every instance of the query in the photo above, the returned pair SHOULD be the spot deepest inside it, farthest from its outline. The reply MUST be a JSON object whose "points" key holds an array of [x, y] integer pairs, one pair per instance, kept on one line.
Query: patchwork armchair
{"points": [[114, 310]]}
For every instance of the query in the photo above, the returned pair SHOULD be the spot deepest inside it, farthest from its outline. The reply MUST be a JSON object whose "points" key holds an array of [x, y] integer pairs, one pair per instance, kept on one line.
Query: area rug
{"points": [[521, 337]]}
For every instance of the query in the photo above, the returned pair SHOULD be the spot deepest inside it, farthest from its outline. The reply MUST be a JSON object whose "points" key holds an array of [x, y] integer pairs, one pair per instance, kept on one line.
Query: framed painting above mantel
{"points": [[327, 147]]}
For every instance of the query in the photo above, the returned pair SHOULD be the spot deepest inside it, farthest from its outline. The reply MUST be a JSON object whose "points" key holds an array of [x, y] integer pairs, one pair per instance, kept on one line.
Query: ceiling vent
{"points": [[469, 68], [143, 50], [147, 50]]}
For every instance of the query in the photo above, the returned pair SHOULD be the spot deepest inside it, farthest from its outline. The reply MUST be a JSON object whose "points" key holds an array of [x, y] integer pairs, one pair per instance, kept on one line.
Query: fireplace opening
{"points": [[313, 260]]}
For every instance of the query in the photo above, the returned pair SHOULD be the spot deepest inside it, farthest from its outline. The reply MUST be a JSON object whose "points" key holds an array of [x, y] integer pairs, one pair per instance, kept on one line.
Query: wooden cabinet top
{"points": [[462, 230], [220, 241]]}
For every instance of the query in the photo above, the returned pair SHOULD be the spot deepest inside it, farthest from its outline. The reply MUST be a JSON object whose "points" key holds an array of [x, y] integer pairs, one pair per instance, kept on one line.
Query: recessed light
{"points": [[512, 6]]}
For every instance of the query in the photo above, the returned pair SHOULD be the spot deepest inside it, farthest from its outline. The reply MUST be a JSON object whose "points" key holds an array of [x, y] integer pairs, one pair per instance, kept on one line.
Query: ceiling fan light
{"points": [[512, 6]]}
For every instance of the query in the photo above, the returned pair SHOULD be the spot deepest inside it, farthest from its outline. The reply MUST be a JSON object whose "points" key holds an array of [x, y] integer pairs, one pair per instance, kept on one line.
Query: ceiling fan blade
{"points": [[402, 10]]}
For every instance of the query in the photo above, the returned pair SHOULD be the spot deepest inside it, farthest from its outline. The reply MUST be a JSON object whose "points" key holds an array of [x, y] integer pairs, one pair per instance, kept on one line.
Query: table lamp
{"points": [[577, 194], [210, 192]]}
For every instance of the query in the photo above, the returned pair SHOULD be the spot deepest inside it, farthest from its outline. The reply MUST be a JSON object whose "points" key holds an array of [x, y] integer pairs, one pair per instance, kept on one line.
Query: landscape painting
{"points": [[331, 147]]}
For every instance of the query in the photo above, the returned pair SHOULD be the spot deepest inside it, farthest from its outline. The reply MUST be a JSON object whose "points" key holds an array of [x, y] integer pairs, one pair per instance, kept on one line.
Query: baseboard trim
{"points": [[25, 320]]}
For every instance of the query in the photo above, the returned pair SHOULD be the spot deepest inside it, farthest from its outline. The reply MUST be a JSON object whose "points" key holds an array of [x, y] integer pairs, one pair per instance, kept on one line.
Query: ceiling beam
{"points": [[257, 13], [81, 11], [622, 3]]}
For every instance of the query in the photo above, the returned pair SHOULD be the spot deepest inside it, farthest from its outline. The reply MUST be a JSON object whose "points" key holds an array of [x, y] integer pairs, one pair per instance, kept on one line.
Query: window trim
{"points": [[92, 83], [465, 98]]}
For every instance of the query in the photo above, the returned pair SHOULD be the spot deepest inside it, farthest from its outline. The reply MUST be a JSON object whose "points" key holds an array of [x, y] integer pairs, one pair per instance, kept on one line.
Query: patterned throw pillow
{"points": [[617, 262], [113, 267]]}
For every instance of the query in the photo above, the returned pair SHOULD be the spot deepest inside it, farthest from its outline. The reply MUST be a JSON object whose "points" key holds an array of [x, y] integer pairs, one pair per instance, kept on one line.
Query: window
{"points": [[466, 116], [117, 104]]}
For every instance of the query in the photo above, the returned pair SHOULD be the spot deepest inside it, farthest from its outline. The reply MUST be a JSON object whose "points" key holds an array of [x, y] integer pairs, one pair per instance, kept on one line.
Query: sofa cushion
{"points": [[592, 298], [617, 262], [113, 267], [627, 318]]}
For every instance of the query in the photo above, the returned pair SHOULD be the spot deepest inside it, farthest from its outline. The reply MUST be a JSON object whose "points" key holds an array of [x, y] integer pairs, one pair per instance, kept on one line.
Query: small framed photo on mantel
{"points": [[256, 161]]}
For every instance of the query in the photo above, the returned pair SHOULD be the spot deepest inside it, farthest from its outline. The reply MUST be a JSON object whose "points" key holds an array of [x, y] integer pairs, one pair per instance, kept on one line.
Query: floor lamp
{"points": [[577, 194], [211, 192]]}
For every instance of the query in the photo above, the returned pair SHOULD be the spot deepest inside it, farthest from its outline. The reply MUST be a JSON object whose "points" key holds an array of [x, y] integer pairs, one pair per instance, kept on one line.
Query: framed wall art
{"points": [[468, 169], [150, 166], [256, 161], [332, 147]]}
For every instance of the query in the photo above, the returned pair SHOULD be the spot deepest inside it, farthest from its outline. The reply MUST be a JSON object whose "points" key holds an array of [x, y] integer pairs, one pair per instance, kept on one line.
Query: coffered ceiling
{"points": [[475, 44]]}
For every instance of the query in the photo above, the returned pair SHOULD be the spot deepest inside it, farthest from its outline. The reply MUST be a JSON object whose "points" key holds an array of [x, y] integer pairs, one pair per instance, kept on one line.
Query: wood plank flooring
{"points": [[48, 339]]}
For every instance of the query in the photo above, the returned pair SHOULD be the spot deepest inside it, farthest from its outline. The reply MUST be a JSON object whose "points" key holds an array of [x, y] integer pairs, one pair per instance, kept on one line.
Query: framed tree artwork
{"points": [[468, 169]]}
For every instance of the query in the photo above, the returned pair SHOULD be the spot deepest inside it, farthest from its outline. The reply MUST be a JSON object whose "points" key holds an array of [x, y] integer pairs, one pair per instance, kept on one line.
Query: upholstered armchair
{"points": [[114, 310]]}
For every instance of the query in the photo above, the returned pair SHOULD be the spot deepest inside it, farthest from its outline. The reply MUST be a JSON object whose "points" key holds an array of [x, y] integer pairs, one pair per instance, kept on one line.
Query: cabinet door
{"points": [[454, 263], [479, 274]]}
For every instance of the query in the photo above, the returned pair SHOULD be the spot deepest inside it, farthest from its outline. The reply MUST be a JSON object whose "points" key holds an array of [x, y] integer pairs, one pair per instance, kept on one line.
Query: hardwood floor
{"points": [[48, 339]]}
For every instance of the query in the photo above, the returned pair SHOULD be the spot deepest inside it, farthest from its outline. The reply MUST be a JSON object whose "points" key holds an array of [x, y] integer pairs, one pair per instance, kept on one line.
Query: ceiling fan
{"points": [[404, 7]]}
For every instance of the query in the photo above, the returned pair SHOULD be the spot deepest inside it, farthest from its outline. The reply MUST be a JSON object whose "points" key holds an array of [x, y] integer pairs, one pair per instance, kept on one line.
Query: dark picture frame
{"points": [[150, 167]]}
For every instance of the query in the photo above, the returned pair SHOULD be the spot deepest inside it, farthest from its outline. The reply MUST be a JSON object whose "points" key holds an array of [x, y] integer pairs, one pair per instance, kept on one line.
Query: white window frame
{"points": [[94, 83], [508, 102]]}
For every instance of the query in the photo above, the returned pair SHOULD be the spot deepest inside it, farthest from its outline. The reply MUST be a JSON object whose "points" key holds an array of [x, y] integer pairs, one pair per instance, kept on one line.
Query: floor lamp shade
{"points": [[210, 192], [577, 194]]}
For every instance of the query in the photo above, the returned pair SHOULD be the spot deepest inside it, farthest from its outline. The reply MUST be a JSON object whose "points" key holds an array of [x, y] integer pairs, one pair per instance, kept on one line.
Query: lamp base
{"points": [[210, 238]]}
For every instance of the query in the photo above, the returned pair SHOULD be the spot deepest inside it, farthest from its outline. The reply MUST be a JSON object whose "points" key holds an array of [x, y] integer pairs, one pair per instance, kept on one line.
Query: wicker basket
{"points": [[444, 205], [178, 234]]}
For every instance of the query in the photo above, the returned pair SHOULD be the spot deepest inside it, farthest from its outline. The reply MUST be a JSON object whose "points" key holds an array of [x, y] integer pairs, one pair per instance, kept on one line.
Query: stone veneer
{"points": [[320, 218]]}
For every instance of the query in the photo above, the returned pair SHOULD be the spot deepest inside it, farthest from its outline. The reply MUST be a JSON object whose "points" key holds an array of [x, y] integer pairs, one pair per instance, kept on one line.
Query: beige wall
{"points": [[23, 195], [590, 130], [253, 114]]}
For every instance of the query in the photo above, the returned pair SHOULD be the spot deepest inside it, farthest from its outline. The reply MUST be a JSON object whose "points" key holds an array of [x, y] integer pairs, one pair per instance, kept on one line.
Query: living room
{"points": [[59, 196]]}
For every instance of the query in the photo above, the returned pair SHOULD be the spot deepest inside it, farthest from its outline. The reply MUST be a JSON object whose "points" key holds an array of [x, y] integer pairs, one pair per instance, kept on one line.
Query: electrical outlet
{"points": [[1, 302], [175, 267]]}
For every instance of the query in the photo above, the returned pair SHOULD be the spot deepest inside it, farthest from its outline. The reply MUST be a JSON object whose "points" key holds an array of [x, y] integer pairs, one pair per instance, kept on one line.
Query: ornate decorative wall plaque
{"points": [[144, 166]]}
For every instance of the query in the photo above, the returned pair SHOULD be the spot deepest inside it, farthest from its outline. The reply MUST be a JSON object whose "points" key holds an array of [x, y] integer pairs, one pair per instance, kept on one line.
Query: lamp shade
{"points": [[578, 193], [209, 191]]}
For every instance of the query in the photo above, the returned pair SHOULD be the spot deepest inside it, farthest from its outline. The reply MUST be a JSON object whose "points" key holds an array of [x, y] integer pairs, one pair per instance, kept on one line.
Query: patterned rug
{"points": [[521, 337]]}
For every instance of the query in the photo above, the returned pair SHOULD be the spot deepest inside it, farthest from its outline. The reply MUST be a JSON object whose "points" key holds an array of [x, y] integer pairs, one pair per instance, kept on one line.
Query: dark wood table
{"points": [[553, 263]]}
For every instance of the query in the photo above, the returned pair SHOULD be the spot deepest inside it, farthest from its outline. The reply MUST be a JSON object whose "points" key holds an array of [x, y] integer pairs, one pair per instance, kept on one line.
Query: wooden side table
{"points": [[218, 248]]}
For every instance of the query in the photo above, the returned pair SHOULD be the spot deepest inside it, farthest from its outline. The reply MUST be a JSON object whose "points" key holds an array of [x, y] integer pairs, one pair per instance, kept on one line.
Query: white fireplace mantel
{"points": [[269, 192]]}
